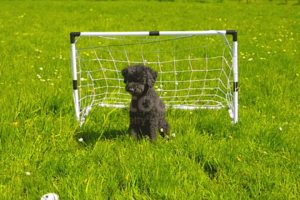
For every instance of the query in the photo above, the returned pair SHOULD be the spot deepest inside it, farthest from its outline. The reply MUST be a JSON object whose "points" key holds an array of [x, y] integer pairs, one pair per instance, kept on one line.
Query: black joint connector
{"points": [[154, 33], [235, 87], [75, 85], [73, 35], [233, 33]]}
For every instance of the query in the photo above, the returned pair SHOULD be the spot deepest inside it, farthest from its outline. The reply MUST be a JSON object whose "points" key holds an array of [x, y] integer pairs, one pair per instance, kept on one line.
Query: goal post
{"points": [[194, 72]]}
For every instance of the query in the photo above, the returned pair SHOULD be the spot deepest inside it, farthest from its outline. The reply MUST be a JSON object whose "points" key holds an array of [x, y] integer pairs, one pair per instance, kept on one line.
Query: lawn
{"points": [[43, 150]]}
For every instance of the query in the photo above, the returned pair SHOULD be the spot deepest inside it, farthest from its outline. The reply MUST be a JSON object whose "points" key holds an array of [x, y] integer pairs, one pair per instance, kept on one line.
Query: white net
{"points": [[193, 71]]}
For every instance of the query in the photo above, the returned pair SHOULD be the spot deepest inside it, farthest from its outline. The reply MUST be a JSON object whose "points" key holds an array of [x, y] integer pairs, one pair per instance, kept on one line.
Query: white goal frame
{"points": [[80, 114]]}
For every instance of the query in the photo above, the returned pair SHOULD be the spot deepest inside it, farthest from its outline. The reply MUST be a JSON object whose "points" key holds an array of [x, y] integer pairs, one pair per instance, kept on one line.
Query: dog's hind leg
{"points": [[152, 132]]}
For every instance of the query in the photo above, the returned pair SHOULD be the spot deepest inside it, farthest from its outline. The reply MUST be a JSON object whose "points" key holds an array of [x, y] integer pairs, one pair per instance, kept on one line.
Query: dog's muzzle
{"points": [[135, 89], [131, 90]]}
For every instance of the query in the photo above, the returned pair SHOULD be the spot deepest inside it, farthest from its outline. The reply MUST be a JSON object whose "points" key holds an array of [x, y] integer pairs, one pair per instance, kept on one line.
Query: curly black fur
{"points": [[147, 110]]}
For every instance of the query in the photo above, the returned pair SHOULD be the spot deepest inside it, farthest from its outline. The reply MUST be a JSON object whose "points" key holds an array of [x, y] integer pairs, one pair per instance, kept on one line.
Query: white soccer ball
{"points": [[50, 196]]}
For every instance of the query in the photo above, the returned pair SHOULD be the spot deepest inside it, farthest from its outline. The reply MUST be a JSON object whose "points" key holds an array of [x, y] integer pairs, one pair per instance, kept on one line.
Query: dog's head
{"points": [[138, 79]]}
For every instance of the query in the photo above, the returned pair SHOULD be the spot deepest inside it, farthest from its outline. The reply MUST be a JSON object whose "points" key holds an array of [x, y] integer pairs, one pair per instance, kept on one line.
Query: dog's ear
{"points": [[154, 74], [124, 73], [151, 77]]}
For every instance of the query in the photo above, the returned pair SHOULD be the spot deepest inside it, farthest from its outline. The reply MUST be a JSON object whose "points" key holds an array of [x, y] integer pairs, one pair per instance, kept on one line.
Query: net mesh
{"points": [[193, 71]]}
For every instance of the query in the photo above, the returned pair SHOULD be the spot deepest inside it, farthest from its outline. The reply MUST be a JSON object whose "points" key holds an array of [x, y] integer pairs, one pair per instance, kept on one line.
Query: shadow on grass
{"points": [[216, 129], [211, 169], [91, 136]]}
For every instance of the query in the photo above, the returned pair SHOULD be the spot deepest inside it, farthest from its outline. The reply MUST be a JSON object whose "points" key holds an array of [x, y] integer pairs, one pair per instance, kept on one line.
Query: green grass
{"points": [[209, 158]]}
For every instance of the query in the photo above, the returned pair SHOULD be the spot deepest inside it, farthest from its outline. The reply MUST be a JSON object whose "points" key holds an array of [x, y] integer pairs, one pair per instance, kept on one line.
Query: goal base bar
{"points": [[178, 106]]}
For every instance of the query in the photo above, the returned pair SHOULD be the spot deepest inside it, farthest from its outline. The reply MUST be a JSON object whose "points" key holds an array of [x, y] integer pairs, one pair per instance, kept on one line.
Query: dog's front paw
{"points": [[152, 134], [133, 133]]}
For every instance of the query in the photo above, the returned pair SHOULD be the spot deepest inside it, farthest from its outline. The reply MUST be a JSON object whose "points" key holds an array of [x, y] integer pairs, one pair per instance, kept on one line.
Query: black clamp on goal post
{"points": [[73, 35], [233, 33]]}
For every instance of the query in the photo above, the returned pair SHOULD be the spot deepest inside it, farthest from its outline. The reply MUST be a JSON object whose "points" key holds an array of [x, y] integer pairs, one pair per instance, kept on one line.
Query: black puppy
{"points": [[147, 111]]}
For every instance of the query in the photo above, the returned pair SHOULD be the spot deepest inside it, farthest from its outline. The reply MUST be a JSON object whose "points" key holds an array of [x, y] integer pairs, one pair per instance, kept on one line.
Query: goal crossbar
{"points": [[81, 112]]}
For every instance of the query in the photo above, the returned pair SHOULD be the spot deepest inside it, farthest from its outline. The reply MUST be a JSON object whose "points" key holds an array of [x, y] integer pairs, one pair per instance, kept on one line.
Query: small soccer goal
{"points": [[196, 69]]}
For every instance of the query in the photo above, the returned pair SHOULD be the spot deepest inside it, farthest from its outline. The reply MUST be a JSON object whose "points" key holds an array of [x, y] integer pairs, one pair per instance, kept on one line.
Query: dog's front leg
{"points": [[133, 133], [152, 131], [133, 127]]}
